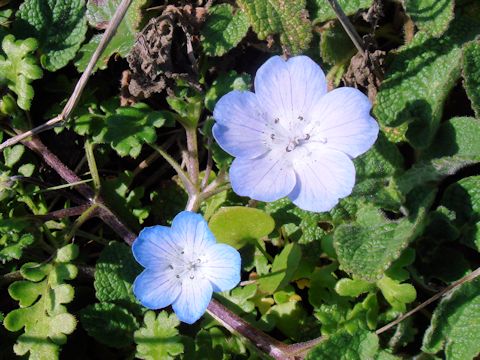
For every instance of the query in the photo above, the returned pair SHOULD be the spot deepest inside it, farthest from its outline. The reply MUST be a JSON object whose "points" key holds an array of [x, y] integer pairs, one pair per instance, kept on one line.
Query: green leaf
{"points": [[336, 47], [158, 339], [368, 247], [421, 77], [225, 83], [289, 317], [99, 13], [463, 197], [397, 295], [471, 74], [12, 155], [14, 237], [242, 297], [283, 268], [353, 287], [58, 25], [284, 17], [322, 11], [115, 272], [109, 324], [239, 225], [431, 16], [19, 67], [360, 345], [224, 29], [42, 314], [455, 324]]}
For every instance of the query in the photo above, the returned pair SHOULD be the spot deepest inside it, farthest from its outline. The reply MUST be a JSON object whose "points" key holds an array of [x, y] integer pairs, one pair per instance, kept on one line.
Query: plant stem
{"points": [[92, 165], [87, 214], [192, 150]]}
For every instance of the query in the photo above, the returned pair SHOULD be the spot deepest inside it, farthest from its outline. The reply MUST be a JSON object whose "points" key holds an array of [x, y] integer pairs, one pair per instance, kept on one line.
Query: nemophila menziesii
{"points": [[183, 266], [292, 137]]}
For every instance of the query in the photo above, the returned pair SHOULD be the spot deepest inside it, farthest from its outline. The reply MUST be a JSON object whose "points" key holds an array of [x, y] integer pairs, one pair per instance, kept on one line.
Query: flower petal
{"points": [[240, 128], [156, 289], [323, 177], [156, 246], [288, 89], [193, 300], [193, 233], [267, 178], [344, 121], [222, 267]]}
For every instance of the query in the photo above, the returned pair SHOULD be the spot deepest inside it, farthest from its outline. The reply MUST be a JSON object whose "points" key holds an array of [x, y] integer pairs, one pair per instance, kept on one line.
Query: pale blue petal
{"points": [[193, 300], [240, 128], [223, 267], [344, 121], [156, 290], [192, 232], [288, 89], [323, 177], [154, 246], [267, 178]]}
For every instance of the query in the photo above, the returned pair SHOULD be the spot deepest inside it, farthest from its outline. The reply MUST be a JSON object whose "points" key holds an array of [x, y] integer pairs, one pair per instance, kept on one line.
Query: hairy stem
{"points": [[92, 165], [192, 151]]}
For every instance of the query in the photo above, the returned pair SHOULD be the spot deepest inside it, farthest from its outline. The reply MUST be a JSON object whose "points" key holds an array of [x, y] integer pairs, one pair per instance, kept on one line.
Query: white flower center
{"points": [[187, 266]]}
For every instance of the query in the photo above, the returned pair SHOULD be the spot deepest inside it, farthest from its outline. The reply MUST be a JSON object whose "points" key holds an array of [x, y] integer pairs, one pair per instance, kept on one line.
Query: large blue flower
{"points": [[183, 266], [292, 138]]}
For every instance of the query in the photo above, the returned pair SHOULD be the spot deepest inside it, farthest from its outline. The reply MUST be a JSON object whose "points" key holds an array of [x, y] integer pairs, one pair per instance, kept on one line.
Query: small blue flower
{"points": [[292, 138], [183, 266]]}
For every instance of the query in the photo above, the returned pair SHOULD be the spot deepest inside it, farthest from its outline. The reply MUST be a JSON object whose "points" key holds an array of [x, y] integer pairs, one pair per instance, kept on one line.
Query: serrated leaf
{"points": [[99, 13], [46, 320], [115, 272], [224, 29], [239, 225], [321, 10], [284, 17], [58, 25], [421, 77], [283, 268], [18, 68], [431, 16], [455, 324], [158, 339], [360, 345], [109, 324], [463, 197], [471, 74]]}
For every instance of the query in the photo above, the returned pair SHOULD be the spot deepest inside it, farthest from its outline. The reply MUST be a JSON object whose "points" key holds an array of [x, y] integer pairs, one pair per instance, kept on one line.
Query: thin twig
{"points": [[63, 213], [92, 166], [209, 166], [82, 82]]}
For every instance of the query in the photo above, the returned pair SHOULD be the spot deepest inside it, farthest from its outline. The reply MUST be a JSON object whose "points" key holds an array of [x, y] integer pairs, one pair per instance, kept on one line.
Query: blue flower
{"points": [[292, 138], [183, 266]]}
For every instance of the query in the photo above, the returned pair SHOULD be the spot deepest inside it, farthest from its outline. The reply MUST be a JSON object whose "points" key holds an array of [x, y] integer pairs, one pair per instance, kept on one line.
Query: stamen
{"points": [[300, 118], [277, 120], [307, 137], [177, 276], [272, 136], [192, 277], [291, 146], [199, 260], [170, 266]]}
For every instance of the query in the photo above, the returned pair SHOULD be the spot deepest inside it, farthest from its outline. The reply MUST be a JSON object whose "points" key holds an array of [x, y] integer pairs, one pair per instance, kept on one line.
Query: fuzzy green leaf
{"points": [[360, 345], [321, 10], [109, 324], [224, 29], [336, 47], [115, 272], [239, 225], [46, 320], [455, 325], [225, 83], [58, 25], [99, 13], [421, 77], [19, 67], [471, 74], [284, 17], [158, 339], [431, 16]]}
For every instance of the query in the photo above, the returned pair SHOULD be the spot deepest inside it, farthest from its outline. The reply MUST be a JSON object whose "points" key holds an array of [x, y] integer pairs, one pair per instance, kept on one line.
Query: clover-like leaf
{"points": [[14, 237], [284, 17], [321, 10], [471, 74], [455, 324], [99, 14], [42, 315], [18, 68], [421, 77], [58, 25], [431, 16], [158, 339], [224, 29]]}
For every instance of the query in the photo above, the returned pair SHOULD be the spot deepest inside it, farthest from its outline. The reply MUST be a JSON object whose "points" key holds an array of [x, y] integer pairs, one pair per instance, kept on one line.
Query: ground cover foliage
{"points": [[73, 198]]}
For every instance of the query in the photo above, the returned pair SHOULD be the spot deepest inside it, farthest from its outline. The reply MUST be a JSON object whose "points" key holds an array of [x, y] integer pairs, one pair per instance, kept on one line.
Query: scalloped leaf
{"points": [[455, 324], [471, 74], [431, 16], [421, 77], [18, 68], [322, 11], [42, 315], [224, 29], [284, 17], [58, 25]]}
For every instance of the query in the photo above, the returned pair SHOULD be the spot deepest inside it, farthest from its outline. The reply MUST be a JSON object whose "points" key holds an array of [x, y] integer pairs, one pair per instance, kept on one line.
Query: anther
{"points": [[277, 120], [307, 137], [272, 136], [192, 277], [170, 266], [300, 118], [199, 260], [177, 276]]}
